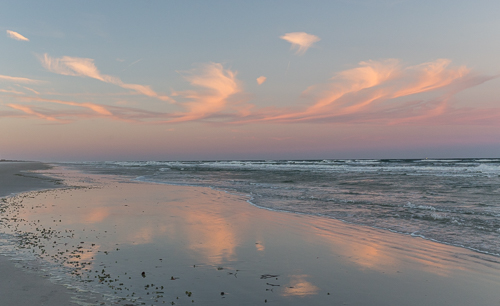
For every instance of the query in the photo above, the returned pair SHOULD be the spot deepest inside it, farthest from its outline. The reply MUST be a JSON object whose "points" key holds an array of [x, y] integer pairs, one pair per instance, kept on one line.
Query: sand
{"points": [[18, 286], [200, 246], [15, 177]]}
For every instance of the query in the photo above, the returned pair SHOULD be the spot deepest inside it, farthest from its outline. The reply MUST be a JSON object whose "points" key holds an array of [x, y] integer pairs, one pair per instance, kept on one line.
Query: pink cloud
{"points": [[30, 111], [99, 109], [261, 80], [217, 95], [16, 36], [383, 91], [300, 41], [17, 79], [12, 91], [81, 110], [216, 86], [85, 67], [32, 90]]}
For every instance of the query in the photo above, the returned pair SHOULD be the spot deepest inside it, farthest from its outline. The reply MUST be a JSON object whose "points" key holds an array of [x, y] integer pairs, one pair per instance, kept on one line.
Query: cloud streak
{"points": [[30, 111], [76, 110], [12, 91], [300, 41], [383, 91], [85, 67], [17, 79], [99, 109], [16, 36], [215, 96]]}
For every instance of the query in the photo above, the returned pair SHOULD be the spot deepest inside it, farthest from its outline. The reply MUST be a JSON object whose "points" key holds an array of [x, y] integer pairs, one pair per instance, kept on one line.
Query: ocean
{"points": [[451, 201], [130, 238]]}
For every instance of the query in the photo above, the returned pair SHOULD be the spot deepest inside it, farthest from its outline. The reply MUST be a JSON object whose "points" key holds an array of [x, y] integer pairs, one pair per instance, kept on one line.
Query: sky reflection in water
{"points": [[206, 242]]}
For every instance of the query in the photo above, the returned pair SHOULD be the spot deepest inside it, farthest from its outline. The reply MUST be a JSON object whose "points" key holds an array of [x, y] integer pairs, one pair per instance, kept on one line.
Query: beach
{"points": [[20, 285], [122, 241]]}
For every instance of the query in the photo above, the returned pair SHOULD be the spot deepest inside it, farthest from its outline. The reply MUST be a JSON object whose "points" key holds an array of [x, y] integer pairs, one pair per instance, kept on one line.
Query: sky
{"points": [[214, 80]]}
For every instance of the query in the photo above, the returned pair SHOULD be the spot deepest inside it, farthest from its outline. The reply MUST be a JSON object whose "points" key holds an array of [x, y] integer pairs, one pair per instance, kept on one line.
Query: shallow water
{"points": [[195, 243], [453, 201]]}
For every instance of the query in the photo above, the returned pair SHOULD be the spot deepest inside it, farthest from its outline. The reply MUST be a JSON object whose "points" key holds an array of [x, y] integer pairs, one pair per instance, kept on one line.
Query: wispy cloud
{"points": [[16, 36], [17, 79], [133, 63], [12, 91], [30, 111], [385, 92], [32, 90], [216, 86], [300, 41], [85, 67], [43, 110], [382, 91], [99, 109], [215, 98]]}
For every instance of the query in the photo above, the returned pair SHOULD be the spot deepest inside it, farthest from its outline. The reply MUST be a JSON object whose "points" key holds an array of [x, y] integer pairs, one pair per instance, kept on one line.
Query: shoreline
{"points": [[210, 242], [18, 176], [27, 283], [250, 198]]}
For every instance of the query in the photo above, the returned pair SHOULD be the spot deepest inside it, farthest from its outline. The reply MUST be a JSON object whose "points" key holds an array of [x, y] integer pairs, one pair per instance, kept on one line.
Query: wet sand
{"points": [[20, 286], [201, 246], [15, 177]]}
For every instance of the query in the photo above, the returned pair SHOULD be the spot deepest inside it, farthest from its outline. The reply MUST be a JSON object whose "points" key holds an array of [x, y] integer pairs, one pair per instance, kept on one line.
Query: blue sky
{"points": [[376, 79]]}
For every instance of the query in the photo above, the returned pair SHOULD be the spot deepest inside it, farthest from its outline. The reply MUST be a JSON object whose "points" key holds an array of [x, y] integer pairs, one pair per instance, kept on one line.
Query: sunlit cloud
{"points": [[12, 91], [385, 92], [300, 41], [99, 109], [85, 67], [32, 90], [17, 79], [216, 88], [216, 96], [16, 36], [44, 111], [85, 110], [30, 111]]}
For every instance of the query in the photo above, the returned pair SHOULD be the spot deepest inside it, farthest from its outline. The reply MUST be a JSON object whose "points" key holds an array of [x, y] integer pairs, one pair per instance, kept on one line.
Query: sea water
{"points": [[98, 241], [451, 201]]}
